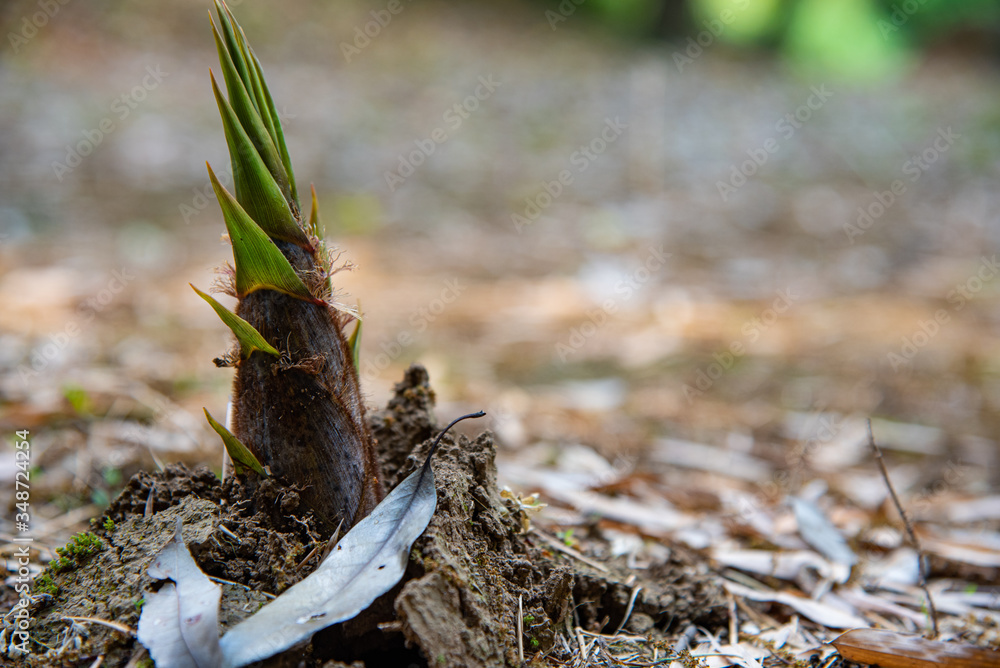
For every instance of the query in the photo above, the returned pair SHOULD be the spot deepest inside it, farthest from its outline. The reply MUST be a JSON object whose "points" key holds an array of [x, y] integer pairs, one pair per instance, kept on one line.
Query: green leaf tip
{"points": [[355, 343], [278, 133], [314, 221], [249, 71], [253, 121], [259, 262], [249, 338], [242, 458], [228, 21], [256, 188]]}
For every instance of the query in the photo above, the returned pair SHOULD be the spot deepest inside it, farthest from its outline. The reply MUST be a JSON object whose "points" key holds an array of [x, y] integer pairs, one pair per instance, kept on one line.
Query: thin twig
{"points": [[148, 512], [330, 544], [932, 611], [618, 637], [137, 656], [734, 636], [104, 622], [241, 585], [568, 550], [520, 629], [309, 556], [628, 610], [223, 529]]}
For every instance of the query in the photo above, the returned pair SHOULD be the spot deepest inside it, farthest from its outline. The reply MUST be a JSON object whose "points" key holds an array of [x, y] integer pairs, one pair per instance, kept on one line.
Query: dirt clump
{"points": [[457, 604]]}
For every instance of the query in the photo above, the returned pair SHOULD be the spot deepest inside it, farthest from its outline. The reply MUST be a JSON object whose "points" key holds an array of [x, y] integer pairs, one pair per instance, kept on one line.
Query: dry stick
{"points": [[223, 529], [103, 622], [628, 610], [909, 532], [566, 549], [137, 656], [734, 635], [520, 630]]}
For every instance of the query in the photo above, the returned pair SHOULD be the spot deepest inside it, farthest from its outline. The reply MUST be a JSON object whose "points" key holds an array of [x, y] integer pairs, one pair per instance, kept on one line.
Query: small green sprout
{"points": [[567, 537], [45, 585]]}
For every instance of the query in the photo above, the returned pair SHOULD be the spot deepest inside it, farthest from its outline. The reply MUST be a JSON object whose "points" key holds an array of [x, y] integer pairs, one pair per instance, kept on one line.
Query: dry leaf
{"points": [[889, 649], [366, 563], [179, 624]]}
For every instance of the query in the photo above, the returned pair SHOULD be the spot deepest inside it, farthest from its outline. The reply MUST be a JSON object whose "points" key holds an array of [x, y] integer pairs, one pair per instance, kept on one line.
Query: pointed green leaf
{"points": [[253, 79], [279, 134], [259, 263], [256, 87], [226, 20], [242, 458], [256, 190], [249, 338], [249, 117], [355, 343], [314, 222]]}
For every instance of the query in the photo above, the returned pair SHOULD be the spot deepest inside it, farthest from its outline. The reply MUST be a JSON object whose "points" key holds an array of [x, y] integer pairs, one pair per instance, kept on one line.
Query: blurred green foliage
{"points": [[859, 39]]}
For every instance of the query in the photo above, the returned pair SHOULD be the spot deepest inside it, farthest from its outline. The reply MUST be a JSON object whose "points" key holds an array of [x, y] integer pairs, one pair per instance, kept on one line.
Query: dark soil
{"points": [[456, 606]]}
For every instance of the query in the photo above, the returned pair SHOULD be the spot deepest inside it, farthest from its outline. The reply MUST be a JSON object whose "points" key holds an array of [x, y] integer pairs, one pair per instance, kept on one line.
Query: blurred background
{"points": [[614, 225]]}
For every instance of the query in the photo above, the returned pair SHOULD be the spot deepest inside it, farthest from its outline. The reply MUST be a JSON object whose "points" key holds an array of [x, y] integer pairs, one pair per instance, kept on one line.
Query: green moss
{"points": [[80, 548], [45, 585], [534, 643], [109, 524]]}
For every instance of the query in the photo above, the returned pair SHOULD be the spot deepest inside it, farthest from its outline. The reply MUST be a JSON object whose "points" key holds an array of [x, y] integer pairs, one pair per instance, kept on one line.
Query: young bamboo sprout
{"points": [[298, 410]]}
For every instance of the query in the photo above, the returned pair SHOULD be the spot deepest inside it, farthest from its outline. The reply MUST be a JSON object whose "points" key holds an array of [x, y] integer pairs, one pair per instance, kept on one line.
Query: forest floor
{"points": [[679, 372]]}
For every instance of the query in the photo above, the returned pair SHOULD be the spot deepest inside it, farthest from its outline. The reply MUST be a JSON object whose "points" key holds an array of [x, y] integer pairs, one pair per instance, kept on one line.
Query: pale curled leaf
{"points": [[821, 612], [820, 533], [179, 624], [896, 650], [366, 563]]}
